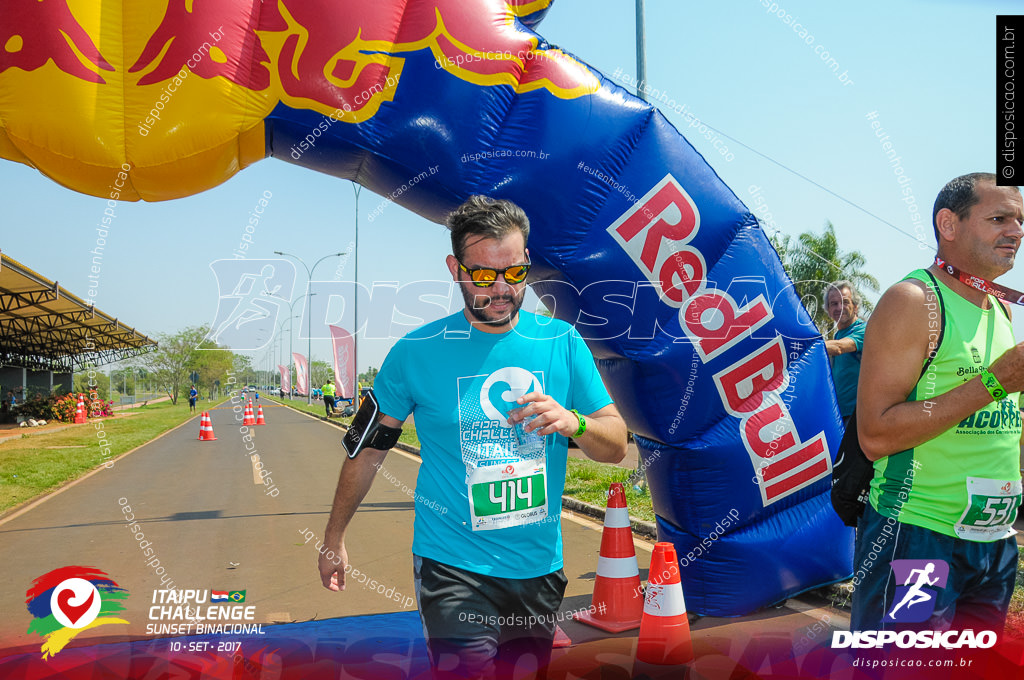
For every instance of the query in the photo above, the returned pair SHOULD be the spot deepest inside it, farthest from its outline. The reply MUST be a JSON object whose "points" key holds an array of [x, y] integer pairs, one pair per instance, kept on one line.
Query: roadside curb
{"points": [[640, 527]]}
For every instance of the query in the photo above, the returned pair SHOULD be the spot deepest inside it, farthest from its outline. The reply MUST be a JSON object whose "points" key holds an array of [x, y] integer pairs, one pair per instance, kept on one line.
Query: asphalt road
{"points": [[212, 524]]}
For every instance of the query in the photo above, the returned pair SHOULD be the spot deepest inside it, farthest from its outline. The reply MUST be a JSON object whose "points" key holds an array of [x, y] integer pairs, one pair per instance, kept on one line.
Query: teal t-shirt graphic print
{"points": [[506, 485]]}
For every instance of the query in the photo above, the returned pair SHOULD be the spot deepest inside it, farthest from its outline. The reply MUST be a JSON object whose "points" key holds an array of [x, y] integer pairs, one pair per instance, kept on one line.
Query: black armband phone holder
{"points": [[366, 431]]}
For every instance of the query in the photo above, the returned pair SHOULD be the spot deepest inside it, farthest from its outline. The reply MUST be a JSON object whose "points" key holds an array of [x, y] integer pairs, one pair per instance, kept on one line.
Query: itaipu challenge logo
{"points": [[69, 600]]}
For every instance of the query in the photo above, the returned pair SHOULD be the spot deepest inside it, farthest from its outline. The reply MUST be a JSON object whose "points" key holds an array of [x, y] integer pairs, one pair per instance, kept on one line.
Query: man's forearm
{"points": [[909, 424], [604, 440], [841, 346], [354, 482]]}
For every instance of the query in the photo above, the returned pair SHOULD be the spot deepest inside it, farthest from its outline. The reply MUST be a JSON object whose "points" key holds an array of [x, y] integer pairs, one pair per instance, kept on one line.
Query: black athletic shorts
{"points": [[480, 626]]}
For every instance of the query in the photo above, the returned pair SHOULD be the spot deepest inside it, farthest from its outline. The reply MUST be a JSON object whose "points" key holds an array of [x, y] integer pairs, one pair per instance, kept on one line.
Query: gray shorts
{"points": [[480, 626]]}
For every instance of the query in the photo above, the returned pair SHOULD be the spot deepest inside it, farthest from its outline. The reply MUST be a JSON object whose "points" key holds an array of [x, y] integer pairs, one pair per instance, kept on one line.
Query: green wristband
{"points": [[992, 385], [583, 423]]}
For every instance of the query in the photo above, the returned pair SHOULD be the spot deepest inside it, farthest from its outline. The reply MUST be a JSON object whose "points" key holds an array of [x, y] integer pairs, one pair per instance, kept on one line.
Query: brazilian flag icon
{"points": [[237, 596]]}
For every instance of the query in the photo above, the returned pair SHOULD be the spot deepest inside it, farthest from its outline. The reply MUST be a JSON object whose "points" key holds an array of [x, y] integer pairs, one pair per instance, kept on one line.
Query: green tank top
{"points": [[966, 481]]}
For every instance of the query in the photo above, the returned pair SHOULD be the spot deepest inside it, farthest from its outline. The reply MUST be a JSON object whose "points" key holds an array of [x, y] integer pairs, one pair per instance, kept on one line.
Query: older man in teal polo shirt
{"points": [[843, 304]]}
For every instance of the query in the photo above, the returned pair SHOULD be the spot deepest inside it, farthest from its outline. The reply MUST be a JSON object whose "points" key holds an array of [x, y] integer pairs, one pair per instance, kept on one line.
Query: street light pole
{"points": [[291, 335], [641, 59], [355, 306], [309, 319], [309, 344], [280, 347]]}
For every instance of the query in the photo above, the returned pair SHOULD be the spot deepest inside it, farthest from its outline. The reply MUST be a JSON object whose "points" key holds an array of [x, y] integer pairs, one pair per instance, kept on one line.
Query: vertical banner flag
{"points": [[344, 346], [300, 372], [286, 379]]}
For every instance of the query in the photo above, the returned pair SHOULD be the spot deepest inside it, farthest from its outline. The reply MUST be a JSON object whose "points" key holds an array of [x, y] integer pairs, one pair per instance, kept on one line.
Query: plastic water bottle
{"points": [[531, 444]]}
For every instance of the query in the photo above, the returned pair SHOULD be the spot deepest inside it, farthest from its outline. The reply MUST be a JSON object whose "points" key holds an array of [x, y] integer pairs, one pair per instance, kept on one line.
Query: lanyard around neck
{"points": [[984, 285]]}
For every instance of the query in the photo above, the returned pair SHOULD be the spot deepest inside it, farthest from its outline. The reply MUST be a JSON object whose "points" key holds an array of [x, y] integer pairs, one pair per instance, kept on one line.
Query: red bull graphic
{"points": [[348, 59], [197, 35], [705, 347], [216, 69], [34, 32]]}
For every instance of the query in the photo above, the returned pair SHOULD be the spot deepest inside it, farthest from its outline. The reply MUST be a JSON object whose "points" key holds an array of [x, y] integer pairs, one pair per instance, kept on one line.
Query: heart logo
{"points": [[73, 612]]}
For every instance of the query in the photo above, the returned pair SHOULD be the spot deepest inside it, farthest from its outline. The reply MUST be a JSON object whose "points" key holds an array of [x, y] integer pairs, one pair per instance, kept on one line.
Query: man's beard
{"points": [[480, 313]]}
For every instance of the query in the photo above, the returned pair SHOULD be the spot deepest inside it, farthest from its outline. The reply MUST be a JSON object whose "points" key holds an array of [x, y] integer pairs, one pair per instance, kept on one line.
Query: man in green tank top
{"points": [[937, 413]]}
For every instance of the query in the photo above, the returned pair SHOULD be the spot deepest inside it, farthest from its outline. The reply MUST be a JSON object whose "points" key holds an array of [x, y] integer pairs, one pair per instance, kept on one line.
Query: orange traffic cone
{"points": [[664, 631], [259, 416], [617, 605], [206, 428], [80, 413], [561, 639], [247, 418]]}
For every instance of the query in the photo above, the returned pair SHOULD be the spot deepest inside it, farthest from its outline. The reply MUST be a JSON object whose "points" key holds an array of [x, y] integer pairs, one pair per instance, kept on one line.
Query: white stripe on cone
{"points": [[617, 567], [664, 600], [616, 518]]}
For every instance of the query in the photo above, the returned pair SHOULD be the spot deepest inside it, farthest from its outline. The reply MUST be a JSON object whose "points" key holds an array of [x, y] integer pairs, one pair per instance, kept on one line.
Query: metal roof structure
{"points": [[44, 327]]}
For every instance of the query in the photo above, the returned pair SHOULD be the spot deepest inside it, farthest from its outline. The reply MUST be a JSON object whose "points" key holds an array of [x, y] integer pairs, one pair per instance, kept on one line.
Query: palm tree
{"points": [[814, 261]]}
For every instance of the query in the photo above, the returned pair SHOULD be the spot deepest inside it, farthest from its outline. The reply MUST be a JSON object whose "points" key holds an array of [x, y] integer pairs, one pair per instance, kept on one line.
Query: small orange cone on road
{"points": [[247, 418], [80, 413], [259, 416], [561, 639], [617, 605], [665, 630], [206, 428]]}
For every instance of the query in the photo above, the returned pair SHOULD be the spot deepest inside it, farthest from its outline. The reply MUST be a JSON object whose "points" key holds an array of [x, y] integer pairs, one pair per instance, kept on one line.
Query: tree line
{"points": [[179, 357]]}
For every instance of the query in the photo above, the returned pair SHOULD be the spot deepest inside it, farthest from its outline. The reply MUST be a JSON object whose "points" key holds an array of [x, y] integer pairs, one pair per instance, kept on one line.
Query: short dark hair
{"points": [[959, 195], [488, 218]]}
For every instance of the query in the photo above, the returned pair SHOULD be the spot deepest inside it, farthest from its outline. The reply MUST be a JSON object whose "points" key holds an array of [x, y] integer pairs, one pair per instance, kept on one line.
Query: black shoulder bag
{"points": [[852, 471]]}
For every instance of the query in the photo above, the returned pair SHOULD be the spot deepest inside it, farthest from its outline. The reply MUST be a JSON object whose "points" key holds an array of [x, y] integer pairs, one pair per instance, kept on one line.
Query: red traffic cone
{"points": [[617, 605], [247, 418], [206, 428], [80, 415], [259, 416], [665, 630], [561, 639]]}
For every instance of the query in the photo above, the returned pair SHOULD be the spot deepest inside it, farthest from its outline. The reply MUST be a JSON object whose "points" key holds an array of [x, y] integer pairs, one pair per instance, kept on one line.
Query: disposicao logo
{"points": [[66, 601], [918, 583], [921, 581]]}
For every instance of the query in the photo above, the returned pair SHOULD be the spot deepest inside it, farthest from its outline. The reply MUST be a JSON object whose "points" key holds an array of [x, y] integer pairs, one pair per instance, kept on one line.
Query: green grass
{"points": [[30, 465], [588, 481]]}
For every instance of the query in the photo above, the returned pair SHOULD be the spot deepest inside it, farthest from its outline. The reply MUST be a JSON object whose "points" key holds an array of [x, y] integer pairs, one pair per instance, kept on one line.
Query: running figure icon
{"points": [[914, 594], [251, 305]]}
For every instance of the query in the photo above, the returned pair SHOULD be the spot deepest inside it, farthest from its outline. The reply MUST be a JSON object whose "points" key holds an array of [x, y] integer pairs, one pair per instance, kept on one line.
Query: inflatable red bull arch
{"points": [[696, 328]]}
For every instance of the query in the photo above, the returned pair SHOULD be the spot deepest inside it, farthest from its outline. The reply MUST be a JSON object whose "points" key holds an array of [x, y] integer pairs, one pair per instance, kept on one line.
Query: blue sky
{"points": [[925, 68]]}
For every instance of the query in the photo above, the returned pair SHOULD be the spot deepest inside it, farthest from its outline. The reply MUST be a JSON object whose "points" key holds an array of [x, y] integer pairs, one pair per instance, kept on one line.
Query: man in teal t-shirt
{"points": [[843, 304], [483, 383]]}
